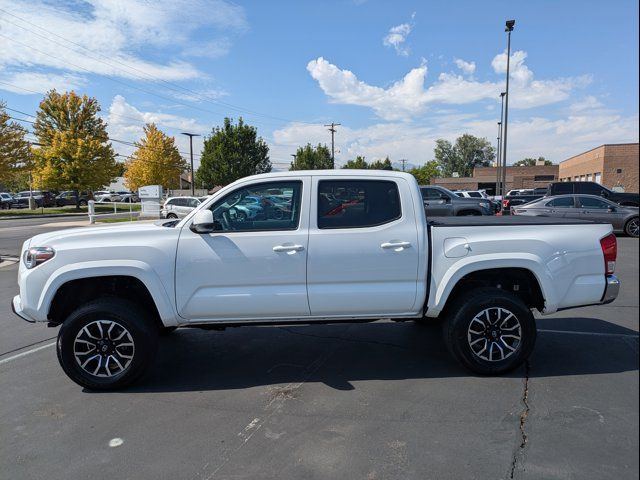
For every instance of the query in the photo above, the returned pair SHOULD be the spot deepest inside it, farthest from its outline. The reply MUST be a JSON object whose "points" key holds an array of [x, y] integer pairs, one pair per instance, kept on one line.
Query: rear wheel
{"points": [[631, 228], [171, 215], [107, 344], [490, 331]]}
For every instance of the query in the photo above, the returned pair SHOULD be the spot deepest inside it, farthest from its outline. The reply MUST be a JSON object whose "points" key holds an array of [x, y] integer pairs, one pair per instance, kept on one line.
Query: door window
{"points": [[562, 188], [564, 202], [431, 194], [357, 203], [589, 188], [595, 203], [251, 209]]}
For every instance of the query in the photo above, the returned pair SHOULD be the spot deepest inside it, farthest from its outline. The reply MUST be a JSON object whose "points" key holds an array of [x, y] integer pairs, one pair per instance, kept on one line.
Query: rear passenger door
{"points": [[363, 247]]}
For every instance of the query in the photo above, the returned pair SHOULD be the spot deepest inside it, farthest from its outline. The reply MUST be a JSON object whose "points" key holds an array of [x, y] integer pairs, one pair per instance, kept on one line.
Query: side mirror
{"points": [[612, 209], [203, 222]]}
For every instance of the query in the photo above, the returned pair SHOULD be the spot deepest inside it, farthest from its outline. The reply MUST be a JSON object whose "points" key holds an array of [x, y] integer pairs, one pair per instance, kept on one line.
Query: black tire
{"points": [[458, 337], [631, 227], [172, 215], [125, 315], [82, 203]]}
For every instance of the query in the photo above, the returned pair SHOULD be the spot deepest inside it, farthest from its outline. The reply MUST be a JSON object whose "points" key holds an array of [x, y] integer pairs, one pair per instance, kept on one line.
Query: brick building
{"points": [[613, 165], [484, 178]]}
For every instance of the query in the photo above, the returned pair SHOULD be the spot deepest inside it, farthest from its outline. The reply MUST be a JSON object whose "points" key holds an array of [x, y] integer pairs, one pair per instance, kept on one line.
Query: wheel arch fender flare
{"points": [[102, 268], [440, 291]]}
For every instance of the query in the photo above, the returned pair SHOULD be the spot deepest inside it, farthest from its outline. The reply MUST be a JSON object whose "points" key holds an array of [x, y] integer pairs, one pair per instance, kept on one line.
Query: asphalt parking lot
{"points": [[350, 401]]}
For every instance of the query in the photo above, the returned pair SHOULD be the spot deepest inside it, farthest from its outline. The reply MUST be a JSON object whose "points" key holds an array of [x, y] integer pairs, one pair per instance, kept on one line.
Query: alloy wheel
{"points": [[104, 348], [494, 334]]}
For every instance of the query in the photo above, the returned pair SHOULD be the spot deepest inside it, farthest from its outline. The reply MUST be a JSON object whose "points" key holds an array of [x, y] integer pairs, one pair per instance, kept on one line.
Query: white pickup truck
{"points": [[341, 246]]}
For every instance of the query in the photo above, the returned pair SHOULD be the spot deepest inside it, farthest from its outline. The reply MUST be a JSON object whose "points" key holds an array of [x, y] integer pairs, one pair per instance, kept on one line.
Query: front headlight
{"points": [[37, 255], [486, 205]]}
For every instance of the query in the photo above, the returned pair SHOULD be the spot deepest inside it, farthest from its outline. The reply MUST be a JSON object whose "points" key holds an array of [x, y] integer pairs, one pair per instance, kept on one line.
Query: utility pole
{"points": [[332, 128], [403, 163], [508, 28], [193, 177]]}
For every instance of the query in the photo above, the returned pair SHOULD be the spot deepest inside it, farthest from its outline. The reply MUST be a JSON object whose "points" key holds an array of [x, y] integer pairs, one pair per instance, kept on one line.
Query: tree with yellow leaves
{"points": [[155, 162], [15, 153], [75, 152]]}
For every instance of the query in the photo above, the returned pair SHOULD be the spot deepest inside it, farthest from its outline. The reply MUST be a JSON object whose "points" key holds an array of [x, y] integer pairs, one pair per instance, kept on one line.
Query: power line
{"points": [[170, 85]]}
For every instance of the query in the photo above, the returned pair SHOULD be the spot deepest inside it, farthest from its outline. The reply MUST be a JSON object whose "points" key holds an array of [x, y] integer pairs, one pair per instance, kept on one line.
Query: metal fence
{"points": [[147, 209]]}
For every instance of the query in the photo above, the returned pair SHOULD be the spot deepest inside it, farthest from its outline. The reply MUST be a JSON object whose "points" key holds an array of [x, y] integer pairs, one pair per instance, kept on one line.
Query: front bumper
{"points": [[611, 290], [16, 306]]}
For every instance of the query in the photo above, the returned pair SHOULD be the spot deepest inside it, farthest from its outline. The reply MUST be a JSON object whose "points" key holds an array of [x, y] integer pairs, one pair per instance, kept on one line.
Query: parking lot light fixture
{"points": [[508, 28], [193, 179]]}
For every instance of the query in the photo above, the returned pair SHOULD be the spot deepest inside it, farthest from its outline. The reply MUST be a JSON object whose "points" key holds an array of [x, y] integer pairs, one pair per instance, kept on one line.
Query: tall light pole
{"points": [[508, 28], [499, 184], [193, 176], [498, 177]]}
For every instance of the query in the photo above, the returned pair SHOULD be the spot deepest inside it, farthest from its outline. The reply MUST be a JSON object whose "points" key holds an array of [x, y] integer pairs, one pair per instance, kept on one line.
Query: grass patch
{"points": [[117, 220]]}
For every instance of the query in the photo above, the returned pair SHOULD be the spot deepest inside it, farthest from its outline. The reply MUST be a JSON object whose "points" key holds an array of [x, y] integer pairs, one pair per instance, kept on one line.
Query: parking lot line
{"points": [[594, 334], [28, 352]]}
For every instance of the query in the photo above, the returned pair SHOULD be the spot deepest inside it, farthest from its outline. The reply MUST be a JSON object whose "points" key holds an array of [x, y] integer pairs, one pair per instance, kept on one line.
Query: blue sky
{"points": [[396, 75]]}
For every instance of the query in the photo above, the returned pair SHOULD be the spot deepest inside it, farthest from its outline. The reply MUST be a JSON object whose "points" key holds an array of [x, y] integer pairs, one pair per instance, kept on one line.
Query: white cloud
{"points": [[408, 97], [397, 36], [554, 139], [119, 33], [587, 103], [25, 83], [467, 68], [126, 122]]}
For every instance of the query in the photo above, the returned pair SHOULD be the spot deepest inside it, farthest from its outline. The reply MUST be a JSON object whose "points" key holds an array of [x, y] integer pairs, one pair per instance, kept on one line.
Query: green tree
{"points": [[231, 152], [15, 153], [461, 158], [381, 165], [425, 173], [312, 158], [358, 163], [75, 152], [531, 162], [156, 161]]}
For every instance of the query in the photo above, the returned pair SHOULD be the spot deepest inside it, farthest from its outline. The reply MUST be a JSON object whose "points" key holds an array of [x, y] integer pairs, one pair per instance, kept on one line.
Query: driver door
{"points": [[247, 268]]}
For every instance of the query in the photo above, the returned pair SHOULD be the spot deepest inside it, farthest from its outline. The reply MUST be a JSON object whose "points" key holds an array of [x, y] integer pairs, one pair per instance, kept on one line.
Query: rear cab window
{"points": [[357, 203]]}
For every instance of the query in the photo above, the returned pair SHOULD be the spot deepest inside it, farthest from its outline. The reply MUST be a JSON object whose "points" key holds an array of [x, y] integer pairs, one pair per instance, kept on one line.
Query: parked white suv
{"points": [[106, 196], [346, 245], [179, 207]]}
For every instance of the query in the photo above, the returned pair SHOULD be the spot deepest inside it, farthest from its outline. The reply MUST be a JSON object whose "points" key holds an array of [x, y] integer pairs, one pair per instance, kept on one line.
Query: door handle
{"points": [[395, 245], [288, 248]]}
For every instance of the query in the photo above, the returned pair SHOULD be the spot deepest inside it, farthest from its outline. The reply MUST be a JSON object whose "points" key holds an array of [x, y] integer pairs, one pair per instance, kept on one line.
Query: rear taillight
{"points": [[505, 203], [609, 246]]}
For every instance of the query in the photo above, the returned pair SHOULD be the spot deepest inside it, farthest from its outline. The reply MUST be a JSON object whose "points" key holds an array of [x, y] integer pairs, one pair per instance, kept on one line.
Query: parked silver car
{"points": [[179, 207], [589, 207]]}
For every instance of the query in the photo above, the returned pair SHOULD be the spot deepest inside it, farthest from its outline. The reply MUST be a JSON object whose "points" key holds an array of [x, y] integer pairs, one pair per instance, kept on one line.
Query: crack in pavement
{"points": [[519, 451]]}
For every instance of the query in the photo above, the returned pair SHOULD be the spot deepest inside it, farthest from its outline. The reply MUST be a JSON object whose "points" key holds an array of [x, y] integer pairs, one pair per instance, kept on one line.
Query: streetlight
{"points": [[193, 177], [498, 159], [508, 28], [499, 186]]}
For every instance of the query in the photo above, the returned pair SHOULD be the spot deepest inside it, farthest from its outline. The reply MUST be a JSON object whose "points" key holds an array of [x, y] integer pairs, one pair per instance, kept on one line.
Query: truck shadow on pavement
{"points": [[195, 360]]}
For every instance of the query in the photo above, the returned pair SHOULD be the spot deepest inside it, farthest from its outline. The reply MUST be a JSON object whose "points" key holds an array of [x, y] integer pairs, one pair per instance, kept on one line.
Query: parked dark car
{"points": [[589, 207], [593, 188], [42, 198], [6, 199], [441, 202], [511, 201], [69, 198]]}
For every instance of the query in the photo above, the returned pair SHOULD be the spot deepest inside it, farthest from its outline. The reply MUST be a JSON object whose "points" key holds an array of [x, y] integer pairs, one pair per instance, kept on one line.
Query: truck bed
{"points": [[497, 221]]}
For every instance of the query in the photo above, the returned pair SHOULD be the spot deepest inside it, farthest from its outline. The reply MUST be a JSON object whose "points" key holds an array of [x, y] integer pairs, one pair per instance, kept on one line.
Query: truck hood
{"points": [[105, 233]]}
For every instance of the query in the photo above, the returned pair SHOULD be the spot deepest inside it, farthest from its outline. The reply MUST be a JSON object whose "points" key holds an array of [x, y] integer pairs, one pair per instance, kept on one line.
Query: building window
{"points": [[544, 178], [589, 178], [619, 170], [577, 178], [598, 177]]}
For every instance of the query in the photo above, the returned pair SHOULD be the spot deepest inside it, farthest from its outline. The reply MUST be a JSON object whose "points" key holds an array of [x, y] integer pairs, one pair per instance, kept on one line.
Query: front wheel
{"points": [[490, 331], [107, 344], [172, 215]]}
